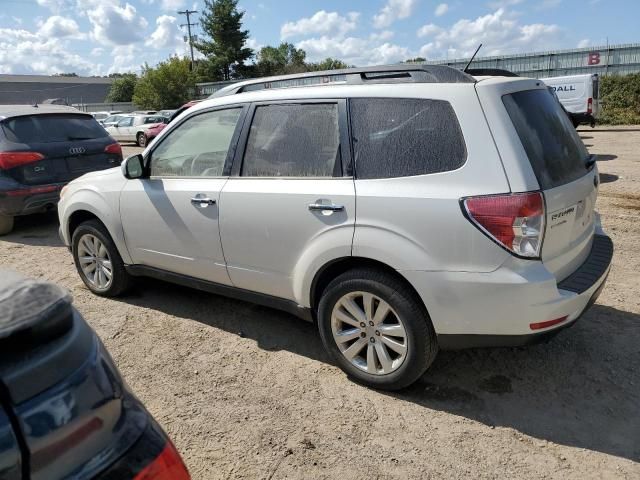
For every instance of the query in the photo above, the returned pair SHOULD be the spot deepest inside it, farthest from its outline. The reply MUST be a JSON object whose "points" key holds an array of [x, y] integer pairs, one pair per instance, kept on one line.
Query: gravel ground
{"points": [[247, 392]]}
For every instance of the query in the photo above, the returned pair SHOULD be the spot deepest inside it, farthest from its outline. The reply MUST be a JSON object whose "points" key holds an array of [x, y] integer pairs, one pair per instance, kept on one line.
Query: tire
{"points": [[406, 310], [6, 224], [83, 245], [141, 140]]}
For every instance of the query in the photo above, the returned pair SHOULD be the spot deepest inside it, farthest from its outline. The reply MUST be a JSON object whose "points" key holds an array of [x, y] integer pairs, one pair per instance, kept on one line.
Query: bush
{"points": [[620, 99]]}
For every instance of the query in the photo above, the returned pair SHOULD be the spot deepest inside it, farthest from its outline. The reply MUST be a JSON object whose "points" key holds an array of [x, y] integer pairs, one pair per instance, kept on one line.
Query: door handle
{"points": [[321, 207], [203, 201]]}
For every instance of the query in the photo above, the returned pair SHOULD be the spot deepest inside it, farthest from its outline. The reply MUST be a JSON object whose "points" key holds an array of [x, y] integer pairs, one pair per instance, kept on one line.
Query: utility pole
{"points": [[188, 12]]}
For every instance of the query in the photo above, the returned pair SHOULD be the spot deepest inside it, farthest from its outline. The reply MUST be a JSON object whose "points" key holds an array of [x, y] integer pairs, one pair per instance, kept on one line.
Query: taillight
{"points": [[17, 159], [114, 148], [589, 105], [515, 221], [166, 466]]}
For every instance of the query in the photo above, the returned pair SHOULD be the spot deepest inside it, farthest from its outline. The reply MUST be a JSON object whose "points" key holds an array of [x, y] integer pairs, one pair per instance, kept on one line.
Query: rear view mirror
{"points": [[133, 166]]}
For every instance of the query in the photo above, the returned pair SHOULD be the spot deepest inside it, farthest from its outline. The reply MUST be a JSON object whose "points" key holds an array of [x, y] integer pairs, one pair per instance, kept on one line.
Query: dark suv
{"points": [[65, 412], [42, 148]]}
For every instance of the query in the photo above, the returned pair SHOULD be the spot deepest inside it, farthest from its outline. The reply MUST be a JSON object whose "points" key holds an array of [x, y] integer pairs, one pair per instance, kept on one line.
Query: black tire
{"points": [[6, 224], [141, 139], [120, 280], [421, 340]]}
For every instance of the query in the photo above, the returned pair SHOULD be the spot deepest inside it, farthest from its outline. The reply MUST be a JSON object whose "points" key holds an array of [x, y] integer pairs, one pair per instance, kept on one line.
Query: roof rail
{"points": [[491, 72], [403, 73]]}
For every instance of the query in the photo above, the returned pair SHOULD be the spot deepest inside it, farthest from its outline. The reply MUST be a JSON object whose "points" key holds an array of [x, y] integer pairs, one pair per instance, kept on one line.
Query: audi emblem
{"points": [[77, 150]]}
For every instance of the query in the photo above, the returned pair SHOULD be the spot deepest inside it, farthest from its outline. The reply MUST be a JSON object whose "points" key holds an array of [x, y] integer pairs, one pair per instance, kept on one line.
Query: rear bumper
{"points": [[497, 308], [26, 199]]}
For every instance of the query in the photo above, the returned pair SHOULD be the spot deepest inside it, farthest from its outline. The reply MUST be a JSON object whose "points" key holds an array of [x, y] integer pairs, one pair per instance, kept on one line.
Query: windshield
{"points": [[52, 128], [556, 153]]}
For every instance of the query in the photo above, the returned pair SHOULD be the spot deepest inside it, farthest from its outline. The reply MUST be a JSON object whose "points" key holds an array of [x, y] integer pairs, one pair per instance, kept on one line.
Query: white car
{"points": [[131, 128], [405, 209]]}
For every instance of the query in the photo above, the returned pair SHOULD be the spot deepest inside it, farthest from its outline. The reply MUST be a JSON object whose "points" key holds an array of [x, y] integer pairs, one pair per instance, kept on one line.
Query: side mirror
{"points": [[133, 166]]}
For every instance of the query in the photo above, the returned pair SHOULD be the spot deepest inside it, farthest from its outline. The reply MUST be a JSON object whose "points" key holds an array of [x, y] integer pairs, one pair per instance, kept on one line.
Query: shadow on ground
{"points": [[603, 157], [581, 389], [608, 178], [39, 230]]}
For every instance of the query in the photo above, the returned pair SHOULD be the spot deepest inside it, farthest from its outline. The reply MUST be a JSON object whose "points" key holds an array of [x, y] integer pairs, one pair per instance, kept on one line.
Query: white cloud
{"points": [[428, 30], [124, 59], [114, 24], [585, 42], [166, 35], [253, 44], [22, 51], [392, 11], [383, 35], [499, 32], [59, 27], [321, 22], [56, 6], [353, 50], [495, 4], [167, 5], [441, 9]]}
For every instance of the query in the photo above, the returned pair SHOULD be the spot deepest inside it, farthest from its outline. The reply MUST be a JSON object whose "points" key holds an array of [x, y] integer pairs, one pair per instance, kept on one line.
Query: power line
{"points": [[189, 25]]}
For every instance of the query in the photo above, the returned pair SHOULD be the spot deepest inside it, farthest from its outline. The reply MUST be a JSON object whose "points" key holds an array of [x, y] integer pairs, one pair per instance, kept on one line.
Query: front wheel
{"points": [[141, 139], [97, 260], [376, 330], [6, 224]]}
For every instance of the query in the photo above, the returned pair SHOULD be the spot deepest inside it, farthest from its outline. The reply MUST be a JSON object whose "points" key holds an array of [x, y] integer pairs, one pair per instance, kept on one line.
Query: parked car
{"points": [[132, 128], [112, 120], [144, 112], [99, 115], [579, 94], [65, 411], [368, 200], [167, 113], [41, 149], [154, 130]]}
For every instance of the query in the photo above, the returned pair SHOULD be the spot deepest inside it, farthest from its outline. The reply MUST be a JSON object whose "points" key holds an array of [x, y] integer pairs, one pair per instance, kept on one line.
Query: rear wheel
{"points": [[97, 260], [376, 330], [141, 139], [6, 224]]}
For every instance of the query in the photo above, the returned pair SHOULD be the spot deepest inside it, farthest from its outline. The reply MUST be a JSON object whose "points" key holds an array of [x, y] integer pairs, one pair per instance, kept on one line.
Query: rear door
{"points": [[70, 144], [560, 162], [290, 194]]}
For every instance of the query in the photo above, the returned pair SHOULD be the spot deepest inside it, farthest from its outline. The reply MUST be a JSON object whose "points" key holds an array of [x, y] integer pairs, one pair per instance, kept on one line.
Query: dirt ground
{"points": [[247, 392]]}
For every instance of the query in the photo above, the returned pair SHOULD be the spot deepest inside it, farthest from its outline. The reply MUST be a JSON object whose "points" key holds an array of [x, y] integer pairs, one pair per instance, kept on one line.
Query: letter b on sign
{"points": [[594, 58]]}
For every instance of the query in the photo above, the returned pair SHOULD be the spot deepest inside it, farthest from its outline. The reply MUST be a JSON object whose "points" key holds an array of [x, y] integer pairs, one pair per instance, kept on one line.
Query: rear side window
{"points": [[399, 137], [556, 153], [52, 128], [293, 140]]}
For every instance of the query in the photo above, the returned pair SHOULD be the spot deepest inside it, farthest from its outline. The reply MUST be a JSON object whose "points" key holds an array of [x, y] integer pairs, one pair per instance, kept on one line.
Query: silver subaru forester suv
{"points": [[404, 209]]}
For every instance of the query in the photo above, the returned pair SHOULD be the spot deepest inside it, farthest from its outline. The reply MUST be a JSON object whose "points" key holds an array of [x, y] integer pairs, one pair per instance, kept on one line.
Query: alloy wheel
{"points": [[369, 333], [95, 261]]}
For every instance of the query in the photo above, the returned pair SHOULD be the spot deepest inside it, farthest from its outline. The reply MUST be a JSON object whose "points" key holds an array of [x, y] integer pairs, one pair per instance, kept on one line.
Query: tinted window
{"points": [[293, 141], [398, 137], [197, 147], [126, 122], [52, 128], [556, 153]]}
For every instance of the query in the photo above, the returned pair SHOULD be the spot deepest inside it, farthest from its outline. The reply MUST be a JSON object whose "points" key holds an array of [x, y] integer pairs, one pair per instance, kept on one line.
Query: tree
{"points": [[415, 60], [280, 60], [224, 46], [169, 85], [72, 74], [327, 64], [122, 88]]}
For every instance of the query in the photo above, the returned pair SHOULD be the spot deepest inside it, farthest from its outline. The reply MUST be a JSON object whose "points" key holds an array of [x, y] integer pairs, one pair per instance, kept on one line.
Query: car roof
{"points": [[7, 111]]}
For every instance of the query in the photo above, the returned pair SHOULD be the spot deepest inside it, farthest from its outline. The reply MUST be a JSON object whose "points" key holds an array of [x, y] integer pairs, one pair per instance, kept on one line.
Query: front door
{"points": [[170, 219], [289, 201]]}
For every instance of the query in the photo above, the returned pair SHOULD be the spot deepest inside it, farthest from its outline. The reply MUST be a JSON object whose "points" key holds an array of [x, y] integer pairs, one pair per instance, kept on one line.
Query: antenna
{"points": [[471, 59]]}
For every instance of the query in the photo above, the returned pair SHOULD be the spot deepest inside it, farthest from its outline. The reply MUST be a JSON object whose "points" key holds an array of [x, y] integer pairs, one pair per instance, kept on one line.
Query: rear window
{"points": [[52, 128], [556, 153], [398, 137]]}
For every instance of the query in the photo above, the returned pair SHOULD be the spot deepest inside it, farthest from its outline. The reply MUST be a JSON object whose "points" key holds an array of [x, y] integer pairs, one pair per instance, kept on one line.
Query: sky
{"points": [[98, 37]]}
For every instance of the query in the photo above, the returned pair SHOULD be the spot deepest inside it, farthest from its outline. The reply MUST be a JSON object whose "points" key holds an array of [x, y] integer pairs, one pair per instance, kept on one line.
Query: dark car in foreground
{"points": [[65, 412], [42, 148]]}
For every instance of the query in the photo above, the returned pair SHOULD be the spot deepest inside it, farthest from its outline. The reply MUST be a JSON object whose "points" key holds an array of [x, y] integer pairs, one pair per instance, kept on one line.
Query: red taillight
{"points": [[166, 466], [32, 190], [590, 105], [16, 159], [548, 323], [114, 148], [515, 221]]}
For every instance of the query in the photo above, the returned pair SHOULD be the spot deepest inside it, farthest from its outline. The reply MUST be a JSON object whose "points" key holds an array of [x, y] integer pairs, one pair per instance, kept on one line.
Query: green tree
{"points": [[280, 60], [122, 88], [225, 41], [327, 64], [169, 85], [71, 74], [415, 60]]}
